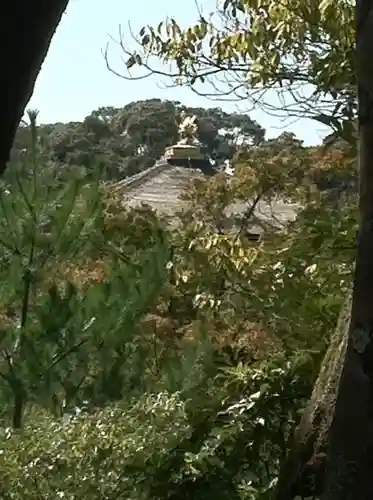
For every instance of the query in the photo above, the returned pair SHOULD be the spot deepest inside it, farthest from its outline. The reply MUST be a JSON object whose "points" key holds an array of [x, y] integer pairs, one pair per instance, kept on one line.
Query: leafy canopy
{"points": [[302, 50]]}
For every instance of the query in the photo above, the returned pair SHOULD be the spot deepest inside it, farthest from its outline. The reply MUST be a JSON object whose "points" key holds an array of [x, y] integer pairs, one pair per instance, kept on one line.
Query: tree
{"points": [[26, 36], [124, 141], [57, 250], [284, 46], [236, 422], [350, 436], [219, 320], [304, 52], [332, 454]]}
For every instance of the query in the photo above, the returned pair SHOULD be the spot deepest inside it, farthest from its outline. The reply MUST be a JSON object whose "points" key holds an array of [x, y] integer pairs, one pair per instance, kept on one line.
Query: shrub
{"points": [[225, 441]]}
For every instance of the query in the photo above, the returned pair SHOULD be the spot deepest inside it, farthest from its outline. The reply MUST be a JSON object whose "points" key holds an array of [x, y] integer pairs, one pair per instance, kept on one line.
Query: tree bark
{"points": [[331, 457], [27, 28]]}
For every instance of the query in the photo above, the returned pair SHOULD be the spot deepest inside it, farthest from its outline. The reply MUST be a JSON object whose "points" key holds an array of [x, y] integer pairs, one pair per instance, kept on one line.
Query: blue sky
{"points": [[74, 79]]}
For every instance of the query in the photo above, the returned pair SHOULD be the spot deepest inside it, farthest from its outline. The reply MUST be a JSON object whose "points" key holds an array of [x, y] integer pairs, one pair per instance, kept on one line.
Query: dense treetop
{"points": [[126, 140]]}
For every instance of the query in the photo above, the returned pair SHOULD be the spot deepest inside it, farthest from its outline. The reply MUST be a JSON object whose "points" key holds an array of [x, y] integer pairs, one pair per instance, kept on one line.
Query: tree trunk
{"points": [[331, 457], [27, 28]]}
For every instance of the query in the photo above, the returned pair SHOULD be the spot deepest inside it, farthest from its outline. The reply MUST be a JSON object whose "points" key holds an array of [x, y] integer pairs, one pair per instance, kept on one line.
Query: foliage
{"points": [[59, 337], [143, 361], [162, 445], [123, 141], [303, 51], [301, 271]]}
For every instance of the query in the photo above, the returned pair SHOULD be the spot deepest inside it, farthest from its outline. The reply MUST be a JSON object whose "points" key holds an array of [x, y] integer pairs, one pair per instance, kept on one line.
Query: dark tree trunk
{"points": [[332, 454], [27, 28]]}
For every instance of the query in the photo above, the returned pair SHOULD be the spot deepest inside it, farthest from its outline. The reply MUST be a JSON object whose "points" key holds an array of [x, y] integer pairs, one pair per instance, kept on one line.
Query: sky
{"points": [[74, 79]]}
